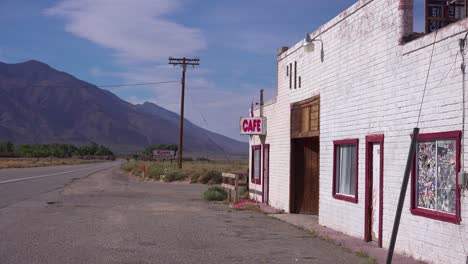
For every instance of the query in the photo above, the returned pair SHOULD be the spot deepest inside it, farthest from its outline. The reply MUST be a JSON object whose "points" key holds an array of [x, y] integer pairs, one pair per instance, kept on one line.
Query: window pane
{"points": [[446, 175], [345, 169], [427, 175], [257, 163], [337, 169]]}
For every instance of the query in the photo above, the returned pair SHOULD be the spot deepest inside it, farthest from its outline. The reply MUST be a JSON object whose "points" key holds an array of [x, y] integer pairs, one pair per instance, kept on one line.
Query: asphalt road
{"points": [[20, 184], [108, 217]]}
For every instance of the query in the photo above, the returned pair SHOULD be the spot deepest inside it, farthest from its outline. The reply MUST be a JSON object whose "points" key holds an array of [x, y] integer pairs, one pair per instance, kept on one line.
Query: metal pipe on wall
{"points": [[401, 200]]}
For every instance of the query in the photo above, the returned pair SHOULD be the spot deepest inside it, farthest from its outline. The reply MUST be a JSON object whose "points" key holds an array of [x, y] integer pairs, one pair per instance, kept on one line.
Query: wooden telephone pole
{"points": [[183, 62]]}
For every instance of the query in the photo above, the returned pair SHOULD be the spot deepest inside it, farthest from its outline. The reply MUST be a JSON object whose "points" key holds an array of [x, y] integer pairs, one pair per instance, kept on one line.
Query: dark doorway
{"points": [[305, 175]]}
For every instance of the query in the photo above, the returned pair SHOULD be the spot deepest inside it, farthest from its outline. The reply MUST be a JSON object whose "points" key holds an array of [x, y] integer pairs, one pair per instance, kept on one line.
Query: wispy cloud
{"points": [[137, 31], [142, 36]]}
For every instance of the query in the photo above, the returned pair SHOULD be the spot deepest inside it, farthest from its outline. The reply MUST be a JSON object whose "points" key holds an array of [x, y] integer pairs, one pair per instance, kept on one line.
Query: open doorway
{"points": [[305, 176]]}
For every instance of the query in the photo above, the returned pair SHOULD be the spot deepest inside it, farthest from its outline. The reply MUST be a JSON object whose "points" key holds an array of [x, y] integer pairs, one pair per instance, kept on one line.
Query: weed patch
{"points": [[210, 177], [364, 255], [173, 175]]}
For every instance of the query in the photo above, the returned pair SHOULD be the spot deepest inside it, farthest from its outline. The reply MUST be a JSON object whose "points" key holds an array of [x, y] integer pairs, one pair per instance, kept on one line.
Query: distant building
{"points": [[339, 128]]}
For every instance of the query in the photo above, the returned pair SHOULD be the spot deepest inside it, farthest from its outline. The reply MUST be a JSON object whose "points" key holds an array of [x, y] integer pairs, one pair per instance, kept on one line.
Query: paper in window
{"points": [[446, 176], [427, 175]]}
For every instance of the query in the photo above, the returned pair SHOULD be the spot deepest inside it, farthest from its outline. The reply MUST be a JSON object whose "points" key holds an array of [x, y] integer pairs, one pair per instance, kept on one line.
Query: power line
{"points": [[427, 78], [208, 135]]}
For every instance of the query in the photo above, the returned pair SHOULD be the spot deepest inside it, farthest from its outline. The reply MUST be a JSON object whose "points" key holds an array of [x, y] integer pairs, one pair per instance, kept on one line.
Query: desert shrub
{"points": [[155, 171], [173, 175], [137, 171], [211, 177], [128, 166], [215, 193], [243, 192], [194, 176]]}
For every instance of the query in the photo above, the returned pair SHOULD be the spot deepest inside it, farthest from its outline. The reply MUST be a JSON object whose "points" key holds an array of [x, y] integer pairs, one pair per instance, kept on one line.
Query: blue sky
{"points": [[121, 41]]}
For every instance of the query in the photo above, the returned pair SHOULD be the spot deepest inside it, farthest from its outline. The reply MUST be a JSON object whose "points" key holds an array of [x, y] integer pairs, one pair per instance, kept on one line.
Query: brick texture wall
{"points": [[371, 83]]}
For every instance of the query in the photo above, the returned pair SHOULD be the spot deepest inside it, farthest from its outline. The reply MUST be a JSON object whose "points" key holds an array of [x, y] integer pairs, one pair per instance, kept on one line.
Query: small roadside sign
{"points": [[163, 154]]}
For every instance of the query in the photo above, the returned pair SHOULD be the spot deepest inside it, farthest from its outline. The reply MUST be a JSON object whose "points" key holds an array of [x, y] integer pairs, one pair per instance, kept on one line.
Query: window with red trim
{"points": [[435, 192], [256, 158], [345, 170]]}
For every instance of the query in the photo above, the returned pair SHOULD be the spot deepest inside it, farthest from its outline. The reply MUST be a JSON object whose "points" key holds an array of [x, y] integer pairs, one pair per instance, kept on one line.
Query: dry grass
{"points": [[39, 162], [206, 172]]}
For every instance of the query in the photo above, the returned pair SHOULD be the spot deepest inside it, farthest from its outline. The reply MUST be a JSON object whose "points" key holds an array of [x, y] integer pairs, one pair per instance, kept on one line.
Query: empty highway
{"points": [[17, 185]]}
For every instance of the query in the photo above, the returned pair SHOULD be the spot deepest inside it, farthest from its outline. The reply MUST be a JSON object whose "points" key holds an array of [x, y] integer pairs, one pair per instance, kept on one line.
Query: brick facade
{"points": [[371, 82]]}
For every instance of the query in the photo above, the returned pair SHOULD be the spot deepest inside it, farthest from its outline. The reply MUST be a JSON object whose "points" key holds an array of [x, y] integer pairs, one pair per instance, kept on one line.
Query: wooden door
{"points": [[305, 177]]}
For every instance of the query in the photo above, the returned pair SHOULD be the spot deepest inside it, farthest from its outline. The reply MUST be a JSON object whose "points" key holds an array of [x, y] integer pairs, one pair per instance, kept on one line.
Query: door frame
{"points": [[370, 141], [265, 189]]}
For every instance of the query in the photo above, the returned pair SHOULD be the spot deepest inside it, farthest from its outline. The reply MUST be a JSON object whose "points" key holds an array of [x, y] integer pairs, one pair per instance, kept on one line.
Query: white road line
{"points": [[46, 175]]}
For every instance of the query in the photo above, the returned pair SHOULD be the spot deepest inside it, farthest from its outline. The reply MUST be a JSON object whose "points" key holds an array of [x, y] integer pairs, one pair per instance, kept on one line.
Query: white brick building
{"points": [[370, 87]]}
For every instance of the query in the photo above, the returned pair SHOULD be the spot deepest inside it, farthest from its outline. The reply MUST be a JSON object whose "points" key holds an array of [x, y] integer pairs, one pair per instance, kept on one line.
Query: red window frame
{"points": [[266, 189], [437, 215], [347, 198], [252, 176]]}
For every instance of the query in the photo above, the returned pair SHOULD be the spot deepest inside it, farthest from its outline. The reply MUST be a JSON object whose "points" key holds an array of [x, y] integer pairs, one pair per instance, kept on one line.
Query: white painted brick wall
{"points": [[369, 84]]}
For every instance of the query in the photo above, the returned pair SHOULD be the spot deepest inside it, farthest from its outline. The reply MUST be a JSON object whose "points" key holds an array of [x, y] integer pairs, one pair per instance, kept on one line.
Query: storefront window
{"points": [[436, 175], [435, 187]]}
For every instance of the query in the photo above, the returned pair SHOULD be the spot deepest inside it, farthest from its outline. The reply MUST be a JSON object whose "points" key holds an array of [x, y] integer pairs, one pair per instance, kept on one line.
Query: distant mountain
{"points": [[39, 104]]}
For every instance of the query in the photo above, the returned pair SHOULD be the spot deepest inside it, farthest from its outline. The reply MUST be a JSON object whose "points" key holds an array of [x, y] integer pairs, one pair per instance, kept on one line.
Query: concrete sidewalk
{"points": [[310, 223]]}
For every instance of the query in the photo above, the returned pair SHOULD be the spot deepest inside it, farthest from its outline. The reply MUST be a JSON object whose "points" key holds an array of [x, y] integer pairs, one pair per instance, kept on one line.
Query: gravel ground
{"points": [[110, 218]]}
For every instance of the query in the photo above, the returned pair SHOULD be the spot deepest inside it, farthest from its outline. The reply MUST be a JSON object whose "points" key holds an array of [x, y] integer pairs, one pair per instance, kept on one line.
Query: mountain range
{"points": [[39, 104]]}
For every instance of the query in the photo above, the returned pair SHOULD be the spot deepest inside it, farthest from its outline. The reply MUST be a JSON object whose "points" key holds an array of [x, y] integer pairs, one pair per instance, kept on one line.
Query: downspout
{"points": [[462, 44]]}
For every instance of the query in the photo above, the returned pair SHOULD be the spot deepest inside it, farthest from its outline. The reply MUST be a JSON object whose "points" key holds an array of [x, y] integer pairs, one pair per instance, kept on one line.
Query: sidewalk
{"points": [[310, 223]]}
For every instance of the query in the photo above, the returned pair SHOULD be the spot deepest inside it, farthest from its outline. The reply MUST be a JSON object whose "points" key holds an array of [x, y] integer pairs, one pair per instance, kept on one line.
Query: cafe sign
{"points": [[253, 126]]}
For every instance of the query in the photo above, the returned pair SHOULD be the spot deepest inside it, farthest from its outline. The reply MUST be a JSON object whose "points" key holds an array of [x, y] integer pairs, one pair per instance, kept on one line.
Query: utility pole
{"points": [[183, 62]]}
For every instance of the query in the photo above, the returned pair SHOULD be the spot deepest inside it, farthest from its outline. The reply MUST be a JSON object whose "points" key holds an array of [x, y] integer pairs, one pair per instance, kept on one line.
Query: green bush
{"points": [[211, 177], [215, 193], [173, 175]]}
